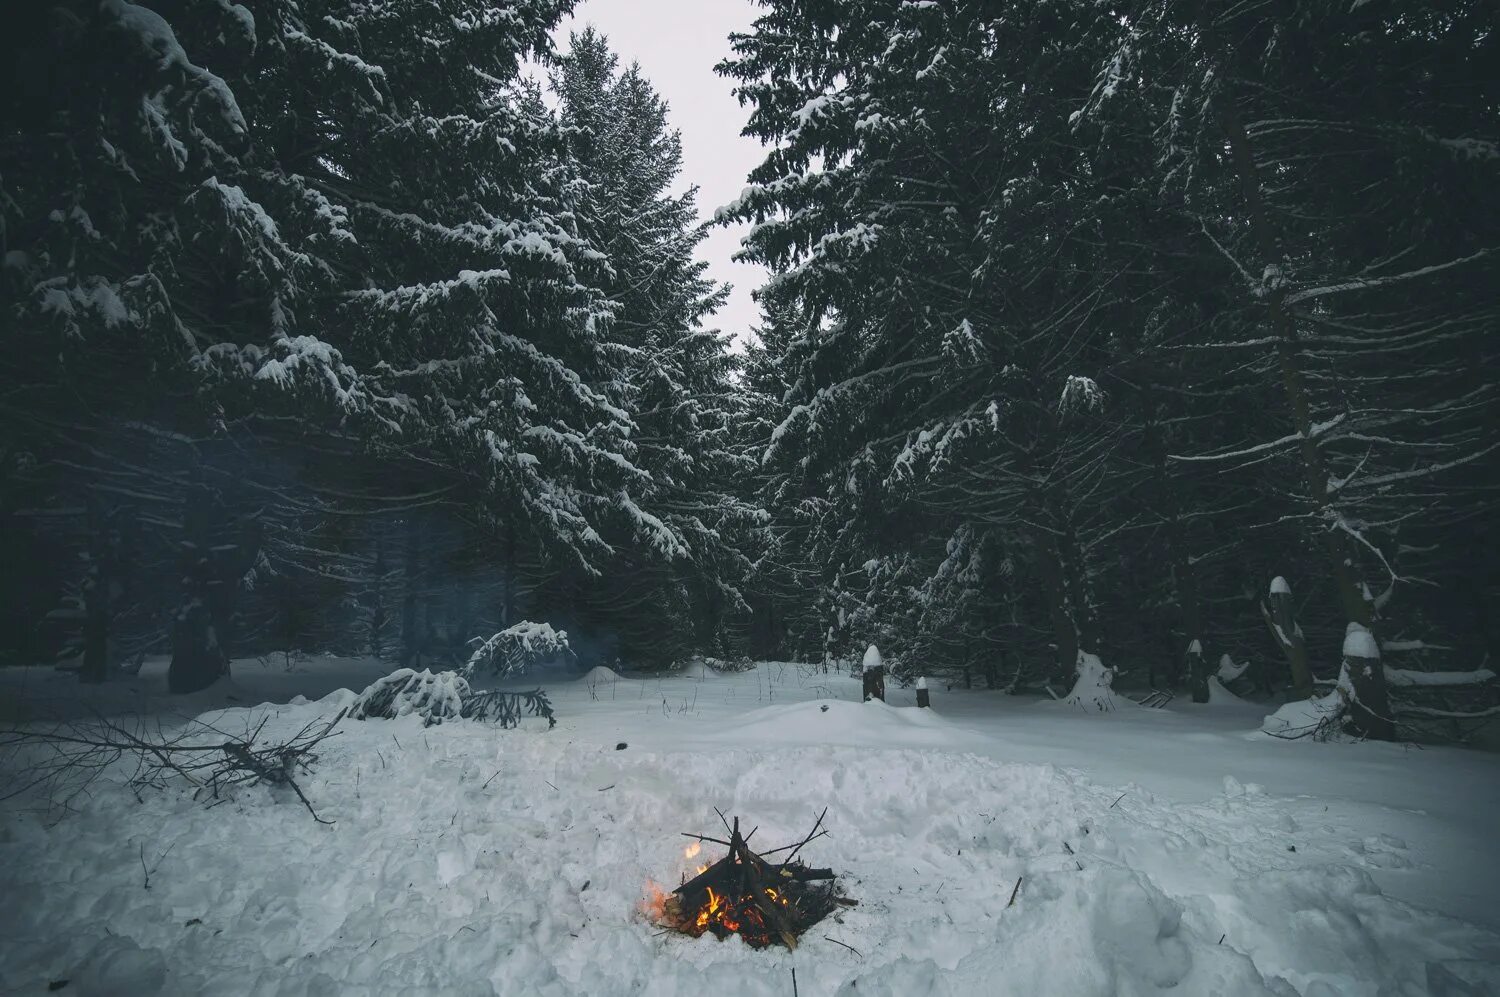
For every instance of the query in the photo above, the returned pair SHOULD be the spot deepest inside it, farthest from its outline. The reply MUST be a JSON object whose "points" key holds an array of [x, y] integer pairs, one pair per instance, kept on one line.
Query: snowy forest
{"points": [[333, 329], [1083, 561]]}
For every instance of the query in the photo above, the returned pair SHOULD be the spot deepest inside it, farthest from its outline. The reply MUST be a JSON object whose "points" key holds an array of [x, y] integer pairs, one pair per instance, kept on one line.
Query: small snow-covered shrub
{"points": [[1094, 689], [440, 696], [516, 648], [434, 697]]}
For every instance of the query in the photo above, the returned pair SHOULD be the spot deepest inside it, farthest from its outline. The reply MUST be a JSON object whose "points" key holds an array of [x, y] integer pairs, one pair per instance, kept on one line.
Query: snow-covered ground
{"points": [[1157, 850]]}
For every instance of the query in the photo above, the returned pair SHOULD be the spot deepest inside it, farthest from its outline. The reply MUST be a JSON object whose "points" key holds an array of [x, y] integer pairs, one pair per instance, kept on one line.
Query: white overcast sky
{"points": [[677, 43]]}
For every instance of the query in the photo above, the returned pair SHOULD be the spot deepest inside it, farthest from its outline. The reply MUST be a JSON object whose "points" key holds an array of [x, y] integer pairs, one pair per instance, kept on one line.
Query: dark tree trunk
{"points": [[1280, 618], [1050, 570], [1197, 668], [411, 638], [216, 555], [463, 626], [96, 592], [1337, 546], [1369, 710], [377, 598], [508, 580], [198, 658]]}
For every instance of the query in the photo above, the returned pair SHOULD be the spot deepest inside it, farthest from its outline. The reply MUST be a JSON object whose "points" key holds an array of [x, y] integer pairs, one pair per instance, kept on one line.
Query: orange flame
{"points": [[716, 912], [654, 903]]}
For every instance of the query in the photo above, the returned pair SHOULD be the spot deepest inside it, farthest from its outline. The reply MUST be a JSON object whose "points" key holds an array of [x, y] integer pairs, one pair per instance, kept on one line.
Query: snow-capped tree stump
{"points": [[873, 669], [1197, 671], [1277, 610], [923, 699], [1362, 684]]}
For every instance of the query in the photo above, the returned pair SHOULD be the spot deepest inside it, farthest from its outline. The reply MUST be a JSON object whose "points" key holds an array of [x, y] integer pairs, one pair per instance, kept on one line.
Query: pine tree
{"points": [[672, 587], [1321, 151], [953, 310]]}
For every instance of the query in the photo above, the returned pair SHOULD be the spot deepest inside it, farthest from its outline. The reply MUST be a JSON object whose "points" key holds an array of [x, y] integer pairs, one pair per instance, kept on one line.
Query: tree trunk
{"points": [[1277, 610], [377, 598], [96, 589], [508, 580], [411, 638], [1197, 672], [1369, 709], [1190, 596], [1336, 545], [198, 658], [1049, 568]]}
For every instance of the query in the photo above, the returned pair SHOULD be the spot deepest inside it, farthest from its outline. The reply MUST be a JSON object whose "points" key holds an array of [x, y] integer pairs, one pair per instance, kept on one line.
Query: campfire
{"points": [[744, 894]]}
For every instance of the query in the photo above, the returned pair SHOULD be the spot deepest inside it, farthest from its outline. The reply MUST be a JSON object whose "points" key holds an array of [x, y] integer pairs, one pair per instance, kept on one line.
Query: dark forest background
{"points": [[328, 328]]}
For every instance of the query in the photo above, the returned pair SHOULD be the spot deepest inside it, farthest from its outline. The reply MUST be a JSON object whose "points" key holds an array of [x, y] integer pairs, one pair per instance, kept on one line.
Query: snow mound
{"points": [[837, 721], [697, 669], [117, 965], [339, 698], [600, 673], [872, 659], [1220, 696]]}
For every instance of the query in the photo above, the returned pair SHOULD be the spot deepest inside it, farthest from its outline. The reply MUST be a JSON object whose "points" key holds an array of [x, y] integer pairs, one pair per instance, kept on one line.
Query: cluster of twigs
{"points": [[63, 760]]}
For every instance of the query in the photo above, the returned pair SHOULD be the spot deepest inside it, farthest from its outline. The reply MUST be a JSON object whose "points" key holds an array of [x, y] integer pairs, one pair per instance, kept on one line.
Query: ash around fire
{"points": [[769, 898]]}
